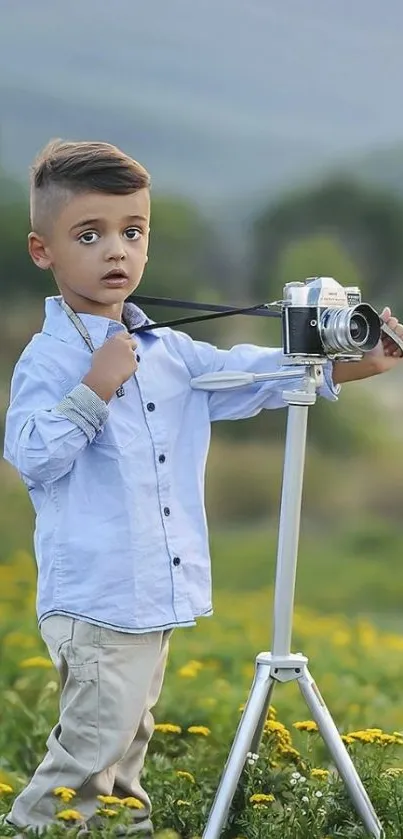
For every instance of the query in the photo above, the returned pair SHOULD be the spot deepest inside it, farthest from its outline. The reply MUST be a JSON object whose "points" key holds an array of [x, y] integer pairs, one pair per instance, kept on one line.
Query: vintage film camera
{"points": [[320, 318]]}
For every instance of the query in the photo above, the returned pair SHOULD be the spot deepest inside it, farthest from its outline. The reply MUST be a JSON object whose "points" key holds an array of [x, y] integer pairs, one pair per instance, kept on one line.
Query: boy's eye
{"points": [[133, 233], [88, 237]]}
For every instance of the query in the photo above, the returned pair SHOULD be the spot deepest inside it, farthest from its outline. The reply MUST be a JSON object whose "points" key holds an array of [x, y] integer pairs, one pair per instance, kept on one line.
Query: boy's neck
{"points": [[90, 307]]}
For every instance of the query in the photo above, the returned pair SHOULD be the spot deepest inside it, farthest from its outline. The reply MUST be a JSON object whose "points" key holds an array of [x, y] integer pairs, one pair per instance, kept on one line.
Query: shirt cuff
{"points": [[329, 389], [85, 408]]}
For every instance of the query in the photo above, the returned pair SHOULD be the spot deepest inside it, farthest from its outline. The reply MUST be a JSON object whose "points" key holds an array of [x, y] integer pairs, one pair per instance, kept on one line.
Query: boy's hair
{"points": [[66, 168]]}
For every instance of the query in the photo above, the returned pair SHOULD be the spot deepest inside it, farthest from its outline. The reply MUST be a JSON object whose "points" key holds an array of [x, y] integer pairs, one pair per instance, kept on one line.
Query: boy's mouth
{"points": [[115, 277]]}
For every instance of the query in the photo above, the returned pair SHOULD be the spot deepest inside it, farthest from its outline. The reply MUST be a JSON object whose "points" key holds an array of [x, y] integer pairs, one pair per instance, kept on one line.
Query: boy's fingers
{"points": [[385, 314], [392, 343], [393, 322]]}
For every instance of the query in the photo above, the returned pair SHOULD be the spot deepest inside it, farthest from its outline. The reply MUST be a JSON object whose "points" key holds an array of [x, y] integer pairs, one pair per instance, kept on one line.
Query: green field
{"points": [[355, 655]]}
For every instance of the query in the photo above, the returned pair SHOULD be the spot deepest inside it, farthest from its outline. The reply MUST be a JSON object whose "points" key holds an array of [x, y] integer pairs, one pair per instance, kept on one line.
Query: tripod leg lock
{"points": [[283, 668]]}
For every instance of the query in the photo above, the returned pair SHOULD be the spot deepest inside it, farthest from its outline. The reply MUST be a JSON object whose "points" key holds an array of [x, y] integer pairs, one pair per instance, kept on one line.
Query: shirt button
{"points": [[176, 560], [167, 511], [150, 406], [161, 458]]}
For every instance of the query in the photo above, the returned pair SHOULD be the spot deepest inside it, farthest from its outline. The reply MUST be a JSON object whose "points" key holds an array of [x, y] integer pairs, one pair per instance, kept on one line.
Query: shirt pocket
{"points": [[122, 429]]}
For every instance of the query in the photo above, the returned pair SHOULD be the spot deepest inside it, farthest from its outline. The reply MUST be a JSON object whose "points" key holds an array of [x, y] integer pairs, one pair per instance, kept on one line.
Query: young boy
{"points": [[111, 441]]}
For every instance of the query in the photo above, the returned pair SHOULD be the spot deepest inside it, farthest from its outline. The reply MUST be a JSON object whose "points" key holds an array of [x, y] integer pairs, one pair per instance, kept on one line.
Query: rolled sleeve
{"points": [[85, 408]]}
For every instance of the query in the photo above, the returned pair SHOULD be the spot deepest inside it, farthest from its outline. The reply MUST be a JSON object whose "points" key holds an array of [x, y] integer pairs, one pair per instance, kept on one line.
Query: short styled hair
{"points": [[66, 168]]}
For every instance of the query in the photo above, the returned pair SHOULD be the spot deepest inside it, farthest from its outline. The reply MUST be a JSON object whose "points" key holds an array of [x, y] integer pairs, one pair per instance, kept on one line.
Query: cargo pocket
{"points": [[87, 672]]}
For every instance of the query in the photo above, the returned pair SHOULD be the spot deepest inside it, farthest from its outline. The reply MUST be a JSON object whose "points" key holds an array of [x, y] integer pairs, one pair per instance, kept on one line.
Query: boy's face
{"points": [[97, 249]]}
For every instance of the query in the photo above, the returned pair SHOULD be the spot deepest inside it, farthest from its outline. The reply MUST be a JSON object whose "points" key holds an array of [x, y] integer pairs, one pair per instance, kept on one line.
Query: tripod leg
{"points": [[255, 744], [340, 755], [258, 700]]}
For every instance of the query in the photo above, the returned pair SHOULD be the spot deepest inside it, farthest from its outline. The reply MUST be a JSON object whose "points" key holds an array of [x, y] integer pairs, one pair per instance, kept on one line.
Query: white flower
{"points": [[293, 782], [255, 757], [305, 799], [302, 779], [318, 794], [296, 775]]}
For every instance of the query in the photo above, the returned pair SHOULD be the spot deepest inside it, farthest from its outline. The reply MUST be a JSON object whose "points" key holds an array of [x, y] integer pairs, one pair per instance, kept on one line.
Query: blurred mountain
{"points": [[221, 99]]}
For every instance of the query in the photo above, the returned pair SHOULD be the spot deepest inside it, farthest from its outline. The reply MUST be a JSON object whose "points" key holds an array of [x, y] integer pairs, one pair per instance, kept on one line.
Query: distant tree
{"points": [[186, 254], [318, 254], [366, 223]]}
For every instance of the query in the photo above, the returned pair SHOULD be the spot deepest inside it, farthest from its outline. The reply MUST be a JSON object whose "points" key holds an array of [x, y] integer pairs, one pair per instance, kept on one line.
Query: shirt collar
{"points": [[58, 323]]}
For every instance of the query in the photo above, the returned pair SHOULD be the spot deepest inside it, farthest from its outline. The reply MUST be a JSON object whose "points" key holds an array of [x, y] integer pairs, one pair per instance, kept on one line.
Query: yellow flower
{"points": [[65, 793], [347, 739], [132, 802], [388, 740], [36, 661], [187, 672], [5, 778], [190, 670], [19, 639], [167, 728], [5, 788], [188, 775], [306, 725], [279, 731], [375, 735], [181, 803], [70, 815], [109, 799], [361, 737], [261, 798], [320, 774], [107, 811], [199, 729]]}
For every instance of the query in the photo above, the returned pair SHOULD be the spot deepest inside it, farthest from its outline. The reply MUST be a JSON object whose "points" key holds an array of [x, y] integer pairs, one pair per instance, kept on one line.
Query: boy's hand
{"points": [[382, 358], [112, 365], [390, 349]]}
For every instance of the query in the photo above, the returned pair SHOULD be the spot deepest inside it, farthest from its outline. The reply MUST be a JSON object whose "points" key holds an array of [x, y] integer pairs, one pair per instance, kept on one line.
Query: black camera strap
{"points": [[219, 311]]}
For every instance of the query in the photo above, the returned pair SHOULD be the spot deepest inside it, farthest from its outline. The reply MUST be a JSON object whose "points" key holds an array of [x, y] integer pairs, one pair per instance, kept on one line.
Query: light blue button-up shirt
{"points": [[121, 536]]}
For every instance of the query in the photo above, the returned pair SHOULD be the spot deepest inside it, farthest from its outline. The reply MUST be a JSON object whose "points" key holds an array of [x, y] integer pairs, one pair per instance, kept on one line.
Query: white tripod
{"points": [[281, 665]]}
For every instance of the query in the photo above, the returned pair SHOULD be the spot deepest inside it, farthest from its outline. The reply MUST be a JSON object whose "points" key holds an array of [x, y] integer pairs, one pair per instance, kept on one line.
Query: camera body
{"points": [[321, 319]]}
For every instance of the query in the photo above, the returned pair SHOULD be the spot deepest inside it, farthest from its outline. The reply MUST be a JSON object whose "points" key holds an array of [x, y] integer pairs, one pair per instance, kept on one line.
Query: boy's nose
{"points": [[115, 250]]}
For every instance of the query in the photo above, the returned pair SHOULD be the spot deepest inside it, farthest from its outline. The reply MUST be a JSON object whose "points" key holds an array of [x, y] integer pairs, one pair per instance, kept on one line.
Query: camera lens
{"points": [[350, 330], [359, 328]]}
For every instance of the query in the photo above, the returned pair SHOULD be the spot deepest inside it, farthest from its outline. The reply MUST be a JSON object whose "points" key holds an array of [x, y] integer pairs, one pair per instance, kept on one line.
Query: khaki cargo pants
{"points": [[109, 682]]}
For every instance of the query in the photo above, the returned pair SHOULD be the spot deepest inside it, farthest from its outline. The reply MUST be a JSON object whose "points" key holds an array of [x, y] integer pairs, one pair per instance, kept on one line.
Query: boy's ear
{"points": [[38, 251]]}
